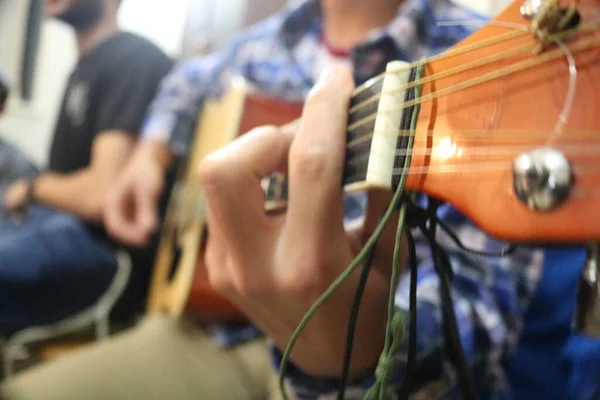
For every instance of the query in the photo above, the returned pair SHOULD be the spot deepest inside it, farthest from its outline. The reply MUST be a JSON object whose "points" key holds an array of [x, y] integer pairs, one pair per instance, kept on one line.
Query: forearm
{"points": [[156, 150], [81, 193], [321, 345], [489, 303]]}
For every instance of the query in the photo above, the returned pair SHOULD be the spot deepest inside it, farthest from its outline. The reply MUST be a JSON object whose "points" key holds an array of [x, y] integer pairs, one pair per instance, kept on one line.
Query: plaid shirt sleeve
{"points": [[490, 298], [173, 114]]}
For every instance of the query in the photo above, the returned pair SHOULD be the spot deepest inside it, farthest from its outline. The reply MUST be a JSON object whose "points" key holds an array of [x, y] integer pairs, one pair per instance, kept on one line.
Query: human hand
{"points": [[17, 194], [275, 267], [131, 207]]}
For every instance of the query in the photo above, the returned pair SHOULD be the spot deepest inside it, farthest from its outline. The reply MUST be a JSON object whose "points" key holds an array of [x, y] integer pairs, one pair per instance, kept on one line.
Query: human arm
{"points": [[274, 268], [118, 98], [490, 295], [131, 206], [131, 211], [82, 192]]}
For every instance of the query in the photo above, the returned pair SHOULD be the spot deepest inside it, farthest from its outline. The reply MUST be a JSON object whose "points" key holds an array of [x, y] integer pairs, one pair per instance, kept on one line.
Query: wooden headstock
{"points": [[466, 141], [490, 100]]}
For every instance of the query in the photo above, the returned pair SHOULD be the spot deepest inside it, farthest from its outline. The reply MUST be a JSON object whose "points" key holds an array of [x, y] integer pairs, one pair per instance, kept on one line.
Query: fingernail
{"points": [[326, 74], [336, 75], [290, 128]]}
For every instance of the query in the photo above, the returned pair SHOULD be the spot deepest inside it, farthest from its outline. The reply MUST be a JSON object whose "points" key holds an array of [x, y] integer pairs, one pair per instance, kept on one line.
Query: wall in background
{"points": [[30, 124], [12, 24], [211, 23], [159, 20]]}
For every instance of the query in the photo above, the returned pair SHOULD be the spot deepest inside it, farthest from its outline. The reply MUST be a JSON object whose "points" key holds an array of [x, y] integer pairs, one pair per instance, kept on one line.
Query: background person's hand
{"points": [[16, 195], [275, 267], [131, 208]]}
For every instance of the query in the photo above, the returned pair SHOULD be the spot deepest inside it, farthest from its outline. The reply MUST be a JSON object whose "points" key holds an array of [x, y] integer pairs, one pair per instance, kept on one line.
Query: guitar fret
{"points": [[355, 170], [364, 111]]}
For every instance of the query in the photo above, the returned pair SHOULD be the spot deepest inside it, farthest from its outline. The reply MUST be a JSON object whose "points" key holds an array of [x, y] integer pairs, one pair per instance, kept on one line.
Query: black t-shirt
{"points": [[109, 89]]}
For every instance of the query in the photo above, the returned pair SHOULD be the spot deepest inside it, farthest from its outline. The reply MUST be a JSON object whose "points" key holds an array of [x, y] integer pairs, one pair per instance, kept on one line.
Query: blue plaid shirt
{"points": [[278, 56]]}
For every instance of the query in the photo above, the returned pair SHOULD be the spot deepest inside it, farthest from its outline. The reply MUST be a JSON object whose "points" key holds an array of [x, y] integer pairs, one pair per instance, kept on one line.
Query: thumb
{"points": [[231, 181]]}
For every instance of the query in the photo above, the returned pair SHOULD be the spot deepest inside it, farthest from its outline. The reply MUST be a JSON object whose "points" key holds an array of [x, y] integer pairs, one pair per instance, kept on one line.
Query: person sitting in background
{"points": [[14, 164], [58, 259]]}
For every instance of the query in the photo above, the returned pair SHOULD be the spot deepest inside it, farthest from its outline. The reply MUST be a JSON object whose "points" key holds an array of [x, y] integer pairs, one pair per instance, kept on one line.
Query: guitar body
{"points": [[180, 283]]}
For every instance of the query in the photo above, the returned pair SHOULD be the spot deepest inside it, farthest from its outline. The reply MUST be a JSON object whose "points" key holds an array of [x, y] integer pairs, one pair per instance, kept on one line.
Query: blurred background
{"points": [[38, 53]]}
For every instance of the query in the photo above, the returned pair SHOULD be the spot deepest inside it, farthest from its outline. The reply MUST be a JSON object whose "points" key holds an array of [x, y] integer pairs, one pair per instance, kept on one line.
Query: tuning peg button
{"points": [[543, 178], [531, 8]]}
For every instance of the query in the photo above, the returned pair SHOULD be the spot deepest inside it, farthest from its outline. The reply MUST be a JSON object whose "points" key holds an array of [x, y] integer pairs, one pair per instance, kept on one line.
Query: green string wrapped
{"points": [[395, 326], [396, 318]]}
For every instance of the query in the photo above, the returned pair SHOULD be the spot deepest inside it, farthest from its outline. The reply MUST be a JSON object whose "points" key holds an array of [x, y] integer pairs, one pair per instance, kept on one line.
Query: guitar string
{"points": [[522, 49], [449, 152], [496, 167], [468, 135], [484, 134], [519, 66], [580, 45], [442, 56], [583, 28], [279, 204], [570, 97], [465, 48], [550, 56], [558, 129], [512, 52], [493, 166], [503, 150]]}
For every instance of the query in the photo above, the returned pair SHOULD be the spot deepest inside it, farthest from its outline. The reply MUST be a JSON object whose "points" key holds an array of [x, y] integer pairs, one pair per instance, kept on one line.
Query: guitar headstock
{"points": [[501, 127], [513, 138]]}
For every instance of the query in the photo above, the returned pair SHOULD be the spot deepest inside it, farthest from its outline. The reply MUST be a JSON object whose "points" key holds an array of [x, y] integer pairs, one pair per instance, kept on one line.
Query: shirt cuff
{"points": [[305, 386], [167, 128], [158, 127]]}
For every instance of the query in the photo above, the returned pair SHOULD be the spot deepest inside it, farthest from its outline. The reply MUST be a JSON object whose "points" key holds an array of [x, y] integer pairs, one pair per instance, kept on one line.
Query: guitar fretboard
{"points": [[371, 147]]}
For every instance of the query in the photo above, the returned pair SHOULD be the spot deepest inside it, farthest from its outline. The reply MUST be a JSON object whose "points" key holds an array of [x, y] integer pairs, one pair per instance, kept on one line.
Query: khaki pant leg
{"points": [[160, 359]]}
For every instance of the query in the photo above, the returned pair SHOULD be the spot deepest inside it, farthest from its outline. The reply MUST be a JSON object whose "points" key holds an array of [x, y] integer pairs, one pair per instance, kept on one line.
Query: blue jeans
{"points": [[51, 266]]}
